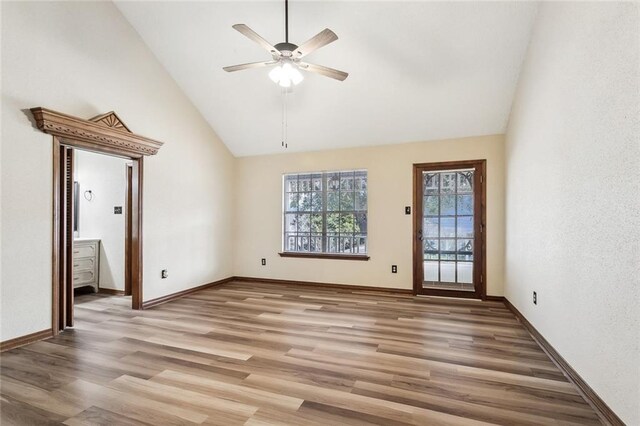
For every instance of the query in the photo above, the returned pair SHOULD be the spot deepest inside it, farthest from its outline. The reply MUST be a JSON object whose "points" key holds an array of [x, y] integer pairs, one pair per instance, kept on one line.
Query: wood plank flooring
{"points": [[265, 354]]}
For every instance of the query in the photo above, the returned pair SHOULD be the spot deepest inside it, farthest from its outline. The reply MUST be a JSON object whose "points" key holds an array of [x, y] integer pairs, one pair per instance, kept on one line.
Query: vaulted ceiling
{"points": [[417, 70]]}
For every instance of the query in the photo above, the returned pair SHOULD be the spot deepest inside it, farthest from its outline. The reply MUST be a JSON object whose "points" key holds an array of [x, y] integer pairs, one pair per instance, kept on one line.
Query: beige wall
{"points": [[258, 209], [84, 59], [573, 193]]}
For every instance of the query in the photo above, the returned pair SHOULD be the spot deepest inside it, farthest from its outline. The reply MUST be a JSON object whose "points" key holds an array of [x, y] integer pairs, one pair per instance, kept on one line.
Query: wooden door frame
{"points": [[128, 223], [105, 134], [63, 246], [67, 166], [480, 209], [62, 310]]}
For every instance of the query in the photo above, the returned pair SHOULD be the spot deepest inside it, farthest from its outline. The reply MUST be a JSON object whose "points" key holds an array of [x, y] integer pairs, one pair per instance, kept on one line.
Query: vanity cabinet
{"points": [[86, 258]]}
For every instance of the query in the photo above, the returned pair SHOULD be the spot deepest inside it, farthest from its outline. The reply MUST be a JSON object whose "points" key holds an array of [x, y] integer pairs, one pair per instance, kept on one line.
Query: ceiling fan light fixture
{"points": [[296, 76], [275, 74], [286, 74]]}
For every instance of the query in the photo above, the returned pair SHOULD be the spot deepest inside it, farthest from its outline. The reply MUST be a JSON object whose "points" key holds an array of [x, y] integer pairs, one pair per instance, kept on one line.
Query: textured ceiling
{"points": [[418, 70]]}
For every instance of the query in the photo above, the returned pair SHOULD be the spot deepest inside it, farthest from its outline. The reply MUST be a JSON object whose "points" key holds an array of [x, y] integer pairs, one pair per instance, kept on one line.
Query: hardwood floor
{"points": [[265, 354]]}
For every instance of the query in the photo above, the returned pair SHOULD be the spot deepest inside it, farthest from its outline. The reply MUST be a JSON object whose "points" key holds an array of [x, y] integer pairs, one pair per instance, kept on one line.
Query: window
{"points": [[326, 213]]}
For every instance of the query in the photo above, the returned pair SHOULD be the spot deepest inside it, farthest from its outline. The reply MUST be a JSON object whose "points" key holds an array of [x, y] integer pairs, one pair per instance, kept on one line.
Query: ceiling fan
{"points": [[287, 57]]}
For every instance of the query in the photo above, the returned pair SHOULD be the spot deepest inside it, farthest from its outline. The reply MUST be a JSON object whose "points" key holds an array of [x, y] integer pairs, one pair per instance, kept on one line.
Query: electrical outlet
{"points": [[264, 262], [165, 273], [535, 298], [407, 210], [117, 210], [394, 269]]}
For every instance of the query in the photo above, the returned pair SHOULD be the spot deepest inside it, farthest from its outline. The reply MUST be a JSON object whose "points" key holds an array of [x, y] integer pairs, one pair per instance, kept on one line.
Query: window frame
{"points": [[324, 212]]}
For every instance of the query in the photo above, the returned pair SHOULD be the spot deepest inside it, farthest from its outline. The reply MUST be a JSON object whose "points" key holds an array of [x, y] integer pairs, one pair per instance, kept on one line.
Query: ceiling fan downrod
{"points": [[285, 48]]}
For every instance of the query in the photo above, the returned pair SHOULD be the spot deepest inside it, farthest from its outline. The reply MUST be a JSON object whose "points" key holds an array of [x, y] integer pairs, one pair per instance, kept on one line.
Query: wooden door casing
{"points": [[479, 273]]}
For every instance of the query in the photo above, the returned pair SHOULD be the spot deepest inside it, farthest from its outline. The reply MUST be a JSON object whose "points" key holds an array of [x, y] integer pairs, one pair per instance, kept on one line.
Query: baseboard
{"points": [[324, 285], [494, 298], [25, 340], [173, 296], [111, 291], [601, 408]]}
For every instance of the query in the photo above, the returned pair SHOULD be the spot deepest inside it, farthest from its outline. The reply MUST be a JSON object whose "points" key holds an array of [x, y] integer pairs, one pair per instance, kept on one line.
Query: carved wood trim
{"points": [[109, 134], [111, 119]]}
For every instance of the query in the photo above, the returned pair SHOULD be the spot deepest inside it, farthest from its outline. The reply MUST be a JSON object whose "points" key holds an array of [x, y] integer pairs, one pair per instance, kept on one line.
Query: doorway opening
{"points": [[449, 244], [101, 226], [98, 227], [106, 134]]}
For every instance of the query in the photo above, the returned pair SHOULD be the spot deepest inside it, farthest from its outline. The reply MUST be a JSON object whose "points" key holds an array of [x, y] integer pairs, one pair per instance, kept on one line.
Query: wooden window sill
{"points": [[334, 256]]}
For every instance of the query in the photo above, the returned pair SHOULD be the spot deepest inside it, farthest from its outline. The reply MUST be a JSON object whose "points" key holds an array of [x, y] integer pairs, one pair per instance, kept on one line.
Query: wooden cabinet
{"points": [[86, 263]]}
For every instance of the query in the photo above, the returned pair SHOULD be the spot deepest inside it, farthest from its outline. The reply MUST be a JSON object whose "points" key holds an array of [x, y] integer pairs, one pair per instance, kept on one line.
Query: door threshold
{"points": [[451, 297]]}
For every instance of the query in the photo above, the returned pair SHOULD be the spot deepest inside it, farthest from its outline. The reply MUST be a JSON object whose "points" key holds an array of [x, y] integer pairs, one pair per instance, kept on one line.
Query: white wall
{"points": [[573, 193], [390, 175], [106, 178], [84, 59]]}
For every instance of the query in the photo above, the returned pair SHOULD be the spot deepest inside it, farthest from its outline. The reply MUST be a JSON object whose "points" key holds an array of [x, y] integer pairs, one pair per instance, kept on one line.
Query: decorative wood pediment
{"points": [[106, 133], [112, 120]]}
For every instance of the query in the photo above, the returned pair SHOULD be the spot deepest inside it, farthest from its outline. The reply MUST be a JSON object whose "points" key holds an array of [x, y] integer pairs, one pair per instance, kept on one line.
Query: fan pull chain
{"points": [[284, 119]]}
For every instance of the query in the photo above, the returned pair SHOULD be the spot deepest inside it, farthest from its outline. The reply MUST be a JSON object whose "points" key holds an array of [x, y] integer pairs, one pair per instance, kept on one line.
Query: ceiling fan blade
{"points": [[327, 72], [241, 67], [323, 38], [249, 33]]}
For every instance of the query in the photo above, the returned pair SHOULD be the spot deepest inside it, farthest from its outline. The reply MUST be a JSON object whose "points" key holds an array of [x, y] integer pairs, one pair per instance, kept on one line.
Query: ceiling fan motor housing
{"points": [[285, 48]]}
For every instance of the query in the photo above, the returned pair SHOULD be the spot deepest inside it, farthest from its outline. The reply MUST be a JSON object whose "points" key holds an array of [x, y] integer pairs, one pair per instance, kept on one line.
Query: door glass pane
{"points": [[431, 183], [465, 250], [465, 204], [465, 272], [447, 249], [448, 205], [431, 249], [465, 226], [448, 183], [431, 205], [465, 182], [448, 229], [431, 271], [448, 272], [431, 227]]}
